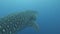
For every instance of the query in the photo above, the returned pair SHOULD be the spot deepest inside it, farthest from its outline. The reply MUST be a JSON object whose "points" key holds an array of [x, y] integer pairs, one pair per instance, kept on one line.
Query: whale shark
{"points": [[18, 21]]}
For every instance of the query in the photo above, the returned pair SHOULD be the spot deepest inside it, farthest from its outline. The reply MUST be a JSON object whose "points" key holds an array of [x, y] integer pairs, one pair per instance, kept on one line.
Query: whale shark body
{"points": [[18, 21]]}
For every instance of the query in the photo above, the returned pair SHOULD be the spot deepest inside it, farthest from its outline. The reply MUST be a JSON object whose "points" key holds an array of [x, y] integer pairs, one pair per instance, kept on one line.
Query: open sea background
{"points": [[48, 14]]}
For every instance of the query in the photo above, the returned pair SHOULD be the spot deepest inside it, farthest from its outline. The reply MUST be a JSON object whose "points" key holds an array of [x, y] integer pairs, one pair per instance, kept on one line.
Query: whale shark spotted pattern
{"points": [[18, 21]]}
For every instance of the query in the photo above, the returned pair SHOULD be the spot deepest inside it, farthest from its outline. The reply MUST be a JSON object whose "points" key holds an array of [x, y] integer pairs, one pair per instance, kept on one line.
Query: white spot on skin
{"points": [[10, 32], [15, 25], [8, 20], [8, 26], [14, 28], [3, 30]]}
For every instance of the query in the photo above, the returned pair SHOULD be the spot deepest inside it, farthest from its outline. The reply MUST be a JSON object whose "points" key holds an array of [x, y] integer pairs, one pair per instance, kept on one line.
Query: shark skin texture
{"points": [[18, 21]]}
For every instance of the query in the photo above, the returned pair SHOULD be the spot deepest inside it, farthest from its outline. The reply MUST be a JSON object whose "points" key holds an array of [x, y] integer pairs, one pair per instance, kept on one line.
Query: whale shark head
{"points": [[31, 17]]}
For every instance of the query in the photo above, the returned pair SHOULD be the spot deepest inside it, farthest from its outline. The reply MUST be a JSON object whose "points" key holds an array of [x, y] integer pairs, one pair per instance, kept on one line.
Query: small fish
{"points": [[18, 21]]}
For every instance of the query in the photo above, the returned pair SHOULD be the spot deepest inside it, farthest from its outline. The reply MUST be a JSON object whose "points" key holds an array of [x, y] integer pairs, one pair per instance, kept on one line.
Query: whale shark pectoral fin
{"points": [[35, 26]]}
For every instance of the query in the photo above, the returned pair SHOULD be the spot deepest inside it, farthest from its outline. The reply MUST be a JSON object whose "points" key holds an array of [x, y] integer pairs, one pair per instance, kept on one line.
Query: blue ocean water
{"points": [[48, 14]]}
